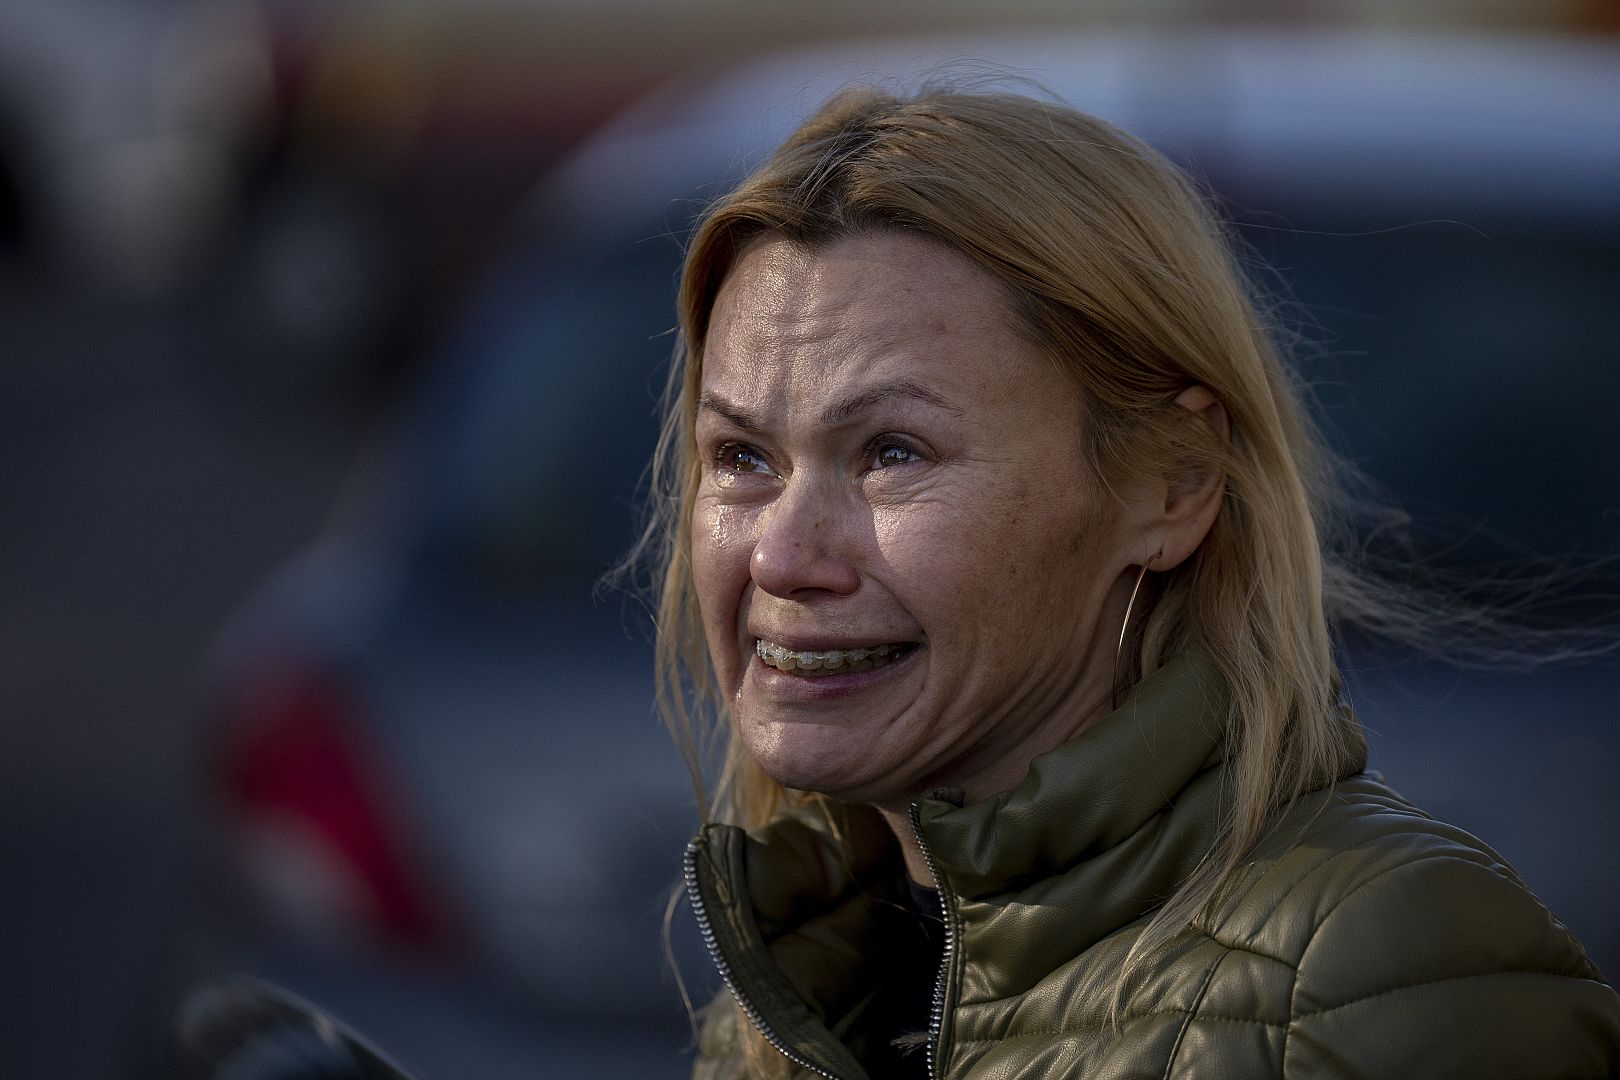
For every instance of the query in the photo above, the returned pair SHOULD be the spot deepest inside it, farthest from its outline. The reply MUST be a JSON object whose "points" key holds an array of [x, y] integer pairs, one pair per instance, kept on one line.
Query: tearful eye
{"points": [[891, 454], [741, 459]]}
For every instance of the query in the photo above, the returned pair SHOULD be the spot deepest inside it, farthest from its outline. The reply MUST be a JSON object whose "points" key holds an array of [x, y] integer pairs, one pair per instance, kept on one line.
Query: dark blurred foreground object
{"points": [[247, 1029]]}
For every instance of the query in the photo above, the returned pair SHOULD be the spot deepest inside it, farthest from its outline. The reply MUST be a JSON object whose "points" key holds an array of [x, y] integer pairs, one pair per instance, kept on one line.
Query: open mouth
{"points": [[830, 661]]}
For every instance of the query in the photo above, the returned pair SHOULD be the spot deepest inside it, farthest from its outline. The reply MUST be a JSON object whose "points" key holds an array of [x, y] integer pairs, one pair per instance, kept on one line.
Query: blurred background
{"points": [[330, 338]]}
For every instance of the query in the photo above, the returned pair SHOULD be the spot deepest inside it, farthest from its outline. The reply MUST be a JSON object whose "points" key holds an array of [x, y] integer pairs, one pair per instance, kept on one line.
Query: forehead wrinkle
{"points": [[840, 411], [795, 316]]}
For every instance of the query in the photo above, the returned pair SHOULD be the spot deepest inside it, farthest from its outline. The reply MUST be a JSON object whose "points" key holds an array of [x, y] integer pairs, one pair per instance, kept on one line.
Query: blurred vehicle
{"points": [[433, 736]]}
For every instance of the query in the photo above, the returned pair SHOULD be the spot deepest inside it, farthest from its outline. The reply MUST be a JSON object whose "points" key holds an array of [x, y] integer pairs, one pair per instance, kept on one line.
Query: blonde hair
{"points": [[1120, 273]]}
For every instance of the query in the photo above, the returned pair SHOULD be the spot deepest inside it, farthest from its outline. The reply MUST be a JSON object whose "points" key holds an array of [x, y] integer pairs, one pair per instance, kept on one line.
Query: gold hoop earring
{"points": [[1119, 650]]}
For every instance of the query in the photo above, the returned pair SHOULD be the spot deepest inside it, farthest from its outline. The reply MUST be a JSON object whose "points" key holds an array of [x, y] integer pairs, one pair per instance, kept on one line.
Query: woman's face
{"points": [[902, 561]]}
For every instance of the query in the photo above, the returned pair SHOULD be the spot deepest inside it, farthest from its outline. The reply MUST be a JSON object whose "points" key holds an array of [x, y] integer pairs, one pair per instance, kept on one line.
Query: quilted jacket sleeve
{"points": [[1446, 966]]}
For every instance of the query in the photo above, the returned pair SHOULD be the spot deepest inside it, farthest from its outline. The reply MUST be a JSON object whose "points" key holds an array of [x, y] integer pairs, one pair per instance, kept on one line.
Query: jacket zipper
{"points": [[936, 1019], [753, 1014]]}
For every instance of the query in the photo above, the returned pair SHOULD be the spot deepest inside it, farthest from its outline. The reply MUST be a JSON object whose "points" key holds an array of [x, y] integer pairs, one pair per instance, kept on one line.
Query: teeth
{"points": [[826, 662]]}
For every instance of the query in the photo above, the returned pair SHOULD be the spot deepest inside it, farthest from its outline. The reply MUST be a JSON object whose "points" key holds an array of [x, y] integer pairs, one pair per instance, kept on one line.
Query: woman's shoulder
{"points": [[1355, 842], [1403, 932]]}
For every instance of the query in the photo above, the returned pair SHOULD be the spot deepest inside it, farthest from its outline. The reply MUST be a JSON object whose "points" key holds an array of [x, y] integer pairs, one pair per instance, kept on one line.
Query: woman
{"points": [[997, 542]]}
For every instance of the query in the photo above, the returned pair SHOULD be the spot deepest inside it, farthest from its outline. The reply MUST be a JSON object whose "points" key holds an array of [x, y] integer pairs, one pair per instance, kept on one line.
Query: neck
{"points": [[916, 865], [1091, 701], [1007, 774]]}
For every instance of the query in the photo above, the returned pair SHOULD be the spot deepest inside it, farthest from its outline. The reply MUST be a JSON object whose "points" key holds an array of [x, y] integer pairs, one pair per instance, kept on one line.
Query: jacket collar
{"points": [[1123, 812], [1101, 830]]}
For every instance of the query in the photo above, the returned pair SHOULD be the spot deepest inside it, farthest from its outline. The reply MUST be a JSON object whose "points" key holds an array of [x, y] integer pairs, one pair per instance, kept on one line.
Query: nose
{"points": [[798, 550]]}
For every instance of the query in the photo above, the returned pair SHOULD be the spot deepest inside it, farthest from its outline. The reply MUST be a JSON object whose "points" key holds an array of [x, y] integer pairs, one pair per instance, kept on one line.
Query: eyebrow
{"points": [[839, 411], [716, 404]]}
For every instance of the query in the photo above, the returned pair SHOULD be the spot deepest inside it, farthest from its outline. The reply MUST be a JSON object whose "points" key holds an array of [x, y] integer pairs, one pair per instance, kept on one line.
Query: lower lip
{"points": [[779, 683]]}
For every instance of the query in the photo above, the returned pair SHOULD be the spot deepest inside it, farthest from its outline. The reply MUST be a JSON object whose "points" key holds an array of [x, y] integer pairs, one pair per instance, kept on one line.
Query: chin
{"points": [[793, 768], [840, 784], [795, 761]]}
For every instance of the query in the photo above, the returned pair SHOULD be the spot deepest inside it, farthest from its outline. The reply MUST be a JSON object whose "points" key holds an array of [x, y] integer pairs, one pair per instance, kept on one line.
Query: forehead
{"points": [[788, 316]]}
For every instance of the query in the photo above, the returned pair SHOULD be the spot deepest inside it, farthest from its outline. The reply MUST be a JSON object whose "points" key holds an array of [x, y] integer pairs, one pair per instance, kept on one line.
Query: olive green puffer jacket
{"points": [[1363, 939]]}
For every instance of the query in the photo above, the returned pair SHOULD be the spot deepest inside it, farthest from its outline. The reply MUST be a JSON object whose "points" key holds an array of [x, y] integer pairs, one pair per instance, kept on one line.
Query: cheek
{"points": [[942, 564], [1016, 552], [722, 543], [721, 551]]}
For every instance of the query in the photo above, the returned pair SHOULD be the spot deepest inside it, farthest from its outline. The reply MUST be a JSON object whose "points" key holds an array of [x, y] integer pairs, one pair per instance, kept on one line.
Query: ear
{"points": [[1191, 500]]}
